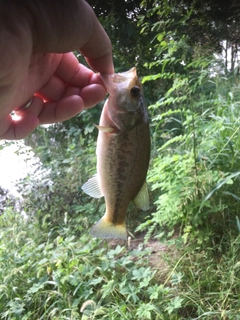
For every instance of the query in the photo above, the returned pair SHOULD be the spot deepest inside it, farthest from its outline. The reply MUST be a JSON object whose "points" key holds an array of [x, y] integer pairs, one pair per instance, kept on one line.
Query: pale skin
{"points": [[36, 43]]}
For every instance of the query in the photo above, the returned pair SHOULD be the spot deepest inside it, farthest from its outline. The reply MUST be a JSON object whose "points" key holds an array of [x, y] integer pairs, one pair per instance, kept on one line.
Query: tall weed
{"points": [[194, 176]]}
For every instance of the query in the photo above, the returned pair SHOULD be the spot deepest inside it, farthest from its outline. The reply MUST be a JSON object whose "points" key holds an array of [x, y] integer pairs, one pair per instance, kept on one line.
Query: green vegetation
{"points": [[54, 273], [185, 260]]}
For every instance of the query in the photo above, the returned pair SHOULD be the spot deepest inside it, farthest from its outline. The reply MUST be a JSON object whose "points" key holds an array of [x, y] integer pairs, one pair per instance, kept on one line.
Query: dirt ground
{"points": [[157, 252]]}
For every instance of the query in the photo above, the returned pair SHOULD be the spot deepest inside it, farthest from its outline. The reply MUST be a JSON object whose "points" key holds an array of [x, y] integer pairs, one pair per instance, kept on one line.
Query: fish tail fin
{"points": [[105, 229]]}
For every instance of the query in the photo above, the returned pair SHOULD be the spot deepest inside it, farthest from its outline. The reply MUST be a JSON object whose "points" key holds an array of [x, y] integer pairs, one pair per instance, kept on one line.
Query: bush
{"points": [[194, 175]]}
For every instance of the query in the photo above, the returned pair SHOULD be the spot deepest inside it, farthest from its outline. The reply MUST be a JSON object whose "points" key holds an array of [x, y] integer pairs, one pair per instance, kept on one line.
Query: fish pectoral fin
{"points": [[92, 187], [104, 129], [106, 230], [141, 200]]}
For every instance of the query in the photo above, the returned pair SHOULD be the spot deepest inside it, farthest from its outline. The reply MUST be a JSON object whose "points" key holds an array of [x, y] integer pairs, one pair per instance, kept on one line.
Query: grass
{"points": [[76, 277]]}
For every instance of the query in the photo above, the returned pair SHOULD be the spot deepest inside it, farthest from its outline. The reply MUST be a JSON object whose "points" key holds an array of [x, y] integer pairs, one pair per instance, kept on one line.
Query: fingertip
{"points": [[69, 107], [92, 95], [102, 64]]}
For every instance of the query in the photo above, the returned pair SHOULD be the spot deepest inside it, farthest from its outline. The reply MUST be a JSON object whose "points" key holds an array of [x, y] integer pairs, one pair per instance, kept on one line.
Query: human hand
{"points": [[35, 44]]}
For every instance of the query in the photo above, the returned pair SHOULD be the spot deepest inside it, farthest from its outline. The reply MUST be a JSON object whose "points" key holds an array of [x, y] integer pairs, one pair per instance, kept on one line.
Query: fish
{"points": [[123, 153]]}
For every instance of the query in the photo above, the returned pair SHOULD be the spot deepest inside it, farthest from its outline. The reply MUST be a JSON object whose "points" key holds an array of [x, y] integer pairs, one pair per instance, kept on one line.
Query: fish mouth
{"points": [[129, 74], [111, 81], [107, 80]]}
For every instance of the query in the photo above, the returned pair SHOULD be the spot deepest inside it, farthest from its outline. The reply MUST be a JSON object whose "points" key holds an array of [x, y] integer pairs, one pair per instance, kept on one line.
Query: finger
{"points": [[71, 72], [56, 95], [70, 106], [53, 90], [19, 128], [71, 91], [62, 110], [34, 106], [5, 124], [102, 64], [98, 48], [92, 95]]}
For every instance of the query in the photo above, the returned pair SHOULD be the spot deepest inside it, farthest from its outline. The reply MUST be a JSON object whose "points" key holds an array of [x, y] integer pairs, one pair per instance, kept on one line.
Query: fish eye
{"points": [[135, 91]]}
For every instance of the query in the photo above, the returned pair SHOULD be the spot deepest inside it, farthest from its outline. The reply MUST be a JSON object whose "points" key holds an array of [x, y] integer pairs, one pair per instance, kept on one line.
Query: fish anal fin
{"points": [[141, 200], [104, 129], [107, 230], [92, 188]]}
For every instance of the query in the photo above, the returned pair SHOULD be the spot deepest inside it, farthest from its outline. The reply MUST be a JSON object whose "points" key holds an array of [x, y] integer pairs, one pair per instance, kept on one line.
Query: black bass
{"points": [[123, 151]]}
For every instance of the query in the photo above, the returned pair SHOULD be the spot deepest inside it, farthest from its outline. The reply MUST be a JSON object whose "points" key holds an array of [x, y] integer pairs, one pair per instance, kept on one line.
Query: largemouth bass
{"points": [[123, 151]]}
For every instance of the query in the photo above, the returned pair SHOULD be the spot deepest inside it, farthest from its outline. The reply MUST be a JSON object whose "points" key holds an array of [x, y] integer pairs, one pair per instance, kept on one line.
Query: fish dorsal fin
{"points": [[141, 200], [92, 187]]}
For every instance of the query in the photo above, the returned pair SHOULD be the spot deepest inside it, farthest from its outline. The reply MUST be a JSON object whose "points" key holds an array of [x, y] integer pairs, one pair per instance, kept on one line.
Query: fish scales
{"points": [[122, 184], [123, 150]]}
